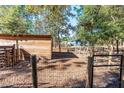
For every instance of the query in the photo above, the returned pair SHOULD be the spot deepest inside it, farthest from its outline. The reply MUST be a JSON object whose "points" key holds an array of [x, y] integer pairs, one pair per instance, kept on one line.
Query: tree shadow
{"points": [[15, 71], [26, 55], [74, 83], [54, 67], [79, 64], [23, 65], [64, 60], [58, 55], [23, 85], [113, 80], [71, 83], [107, 80]]}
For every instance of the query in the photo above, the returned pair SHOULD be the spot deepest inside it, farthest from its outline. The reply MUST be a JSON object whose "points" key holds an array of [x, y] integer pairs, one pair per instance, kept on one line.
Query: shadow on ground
{"points": [[107, 80], [74, 83], [58, 55]]}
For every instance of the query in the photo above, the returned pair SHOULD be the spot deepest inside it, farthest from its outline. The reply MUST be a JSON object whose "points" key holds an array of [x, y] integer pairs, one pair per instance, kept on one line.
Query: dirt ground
{"points": [[64, 70], [105, 77]]}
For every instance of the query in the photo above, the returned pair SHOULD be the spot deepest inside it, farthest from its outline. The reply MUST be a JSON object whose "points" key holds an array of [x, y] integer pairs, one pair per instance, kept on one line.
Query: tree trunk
{"points": [[121, 43], [117, 46], [17, 51], [92, 49], [59, 46], [54, 42], [110, 53], [67, 47], [59, 43]]}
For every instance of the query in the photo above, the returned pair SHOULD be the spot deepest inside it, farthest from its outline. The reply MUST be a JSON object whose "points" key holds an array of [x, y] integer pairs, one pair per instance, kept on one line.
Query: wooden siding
{"points": [[41, 45], [42, 48]]}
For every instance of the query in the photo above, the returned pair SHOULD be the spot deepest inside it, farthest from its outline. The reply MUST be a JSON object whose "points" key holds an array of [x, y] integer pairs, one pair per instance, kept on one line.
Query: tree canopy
{"points": [[36, 19], [96, 23], [101, 23]]}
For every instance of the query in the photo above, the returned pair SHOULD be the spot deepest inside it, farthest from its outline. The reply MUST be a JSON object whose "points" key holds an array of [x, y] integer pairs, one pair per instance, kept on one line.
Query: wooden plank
{"points": [[6, 47], [7, 54], [25, 37], [104, 65], [107, 55], [37, 40], [40, 48]]}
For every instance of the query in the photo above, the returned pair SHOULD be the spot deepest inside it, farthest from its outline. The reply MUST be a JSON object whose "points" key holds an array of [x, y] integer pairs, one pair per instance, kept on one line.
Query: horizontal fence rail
{"points": [[108, 55], [91, 68], [104, 65]]}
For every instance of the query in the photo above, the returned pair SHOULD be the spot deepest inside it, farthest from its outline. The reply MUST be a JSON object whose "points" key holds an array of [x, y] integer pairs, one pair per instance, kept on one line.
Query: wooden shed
{"points": [[26, 45]]}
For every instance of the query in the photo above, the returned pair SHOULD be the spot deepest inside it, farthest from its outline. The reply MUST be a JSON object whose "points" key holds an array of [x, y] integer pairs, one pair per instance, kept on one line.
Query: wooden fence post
{"points": [[34, 71], [16, 50], [90, 71], [122, 76], [13, 55]]}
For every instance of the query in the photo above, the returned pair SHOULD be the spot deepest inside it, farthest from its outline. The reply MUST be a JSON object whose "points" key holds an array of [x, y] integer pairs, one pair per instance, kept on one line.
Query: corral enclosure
{"points": [[40, 45]]}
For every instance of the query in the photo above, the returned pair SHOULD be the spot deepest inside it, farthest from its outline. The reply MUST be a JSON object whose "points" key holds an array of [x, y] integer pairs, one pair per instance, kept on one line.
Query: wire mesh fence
{"points": [[62, 73], [58, 73], [65, 70], [105, 72], [18, 76]]}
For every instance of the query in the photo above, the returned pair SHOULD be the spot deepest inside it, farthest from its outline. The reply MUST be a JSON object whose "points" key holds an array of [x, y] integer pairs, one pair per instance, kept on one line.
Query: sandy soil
{"points": [[65, 70], [68, 71]]}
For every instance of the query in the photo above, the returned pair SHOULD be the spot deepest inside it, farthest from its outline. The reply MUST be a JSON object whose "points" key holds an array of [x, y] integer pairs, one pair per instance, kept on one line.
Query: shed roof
{"points": [[25, 37]]}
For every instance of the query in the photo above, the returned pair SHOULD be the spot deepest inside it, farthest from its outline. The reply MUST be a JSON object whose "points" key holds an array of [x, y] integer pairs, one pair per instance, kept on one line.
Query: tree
{"points": [[22, 19], [102, 24], [87, 28], [54, 20], [12, 20]]}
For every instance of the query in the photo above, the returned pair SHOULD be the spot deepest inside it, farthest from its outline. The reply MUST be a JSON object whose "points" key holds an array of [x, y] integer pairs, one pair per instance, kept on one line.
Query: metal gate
{"points": [[93, 65]]}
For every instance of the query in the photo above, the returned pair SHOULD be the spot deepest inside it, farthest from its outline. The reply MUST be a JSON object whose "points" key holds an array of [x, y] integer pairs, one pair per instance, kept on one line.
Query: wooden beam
{"points": [[6, 46], [25, 37]]}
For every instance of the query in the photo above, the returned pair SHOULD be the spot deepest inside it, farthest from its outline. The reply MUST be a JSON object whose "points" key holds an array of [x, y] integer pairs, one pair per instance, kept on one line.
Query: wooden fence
{"points": [[7, 55], [91, 67]]}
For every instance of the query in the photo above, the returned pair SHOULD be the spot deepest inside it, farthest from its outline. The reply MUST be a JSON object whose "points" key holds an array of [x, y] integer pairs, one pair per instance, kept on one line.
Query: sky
{"points": [[73, 20]]}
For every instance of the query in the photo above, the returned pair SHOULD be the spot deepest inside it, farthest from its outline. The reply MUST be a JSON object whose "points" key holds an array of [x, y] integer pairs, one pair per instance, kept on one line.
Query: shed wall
{"points": [[41, 48], [40, 45]]}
